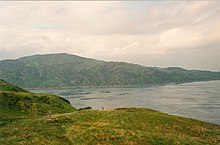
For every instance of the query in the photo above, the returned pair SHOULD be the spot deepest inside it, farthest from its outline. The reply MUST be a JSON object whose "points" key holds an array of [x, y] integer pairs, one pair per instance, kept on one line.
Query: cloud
{"points": [[178, 38], [139, 32]]}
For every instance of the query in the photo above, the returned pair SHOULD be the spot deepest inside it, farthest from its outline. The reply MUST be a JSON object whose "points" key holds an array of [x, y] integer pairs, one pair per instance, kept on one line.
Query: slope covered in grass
{"points": [[15, 101], [120, 126], [5, 86]]}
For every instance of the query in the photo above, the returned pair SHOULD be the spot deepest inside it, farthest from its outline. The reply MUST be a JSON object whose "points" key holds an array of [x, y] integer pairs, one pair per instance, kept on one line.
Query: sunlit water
{"points": [[200, 100]]}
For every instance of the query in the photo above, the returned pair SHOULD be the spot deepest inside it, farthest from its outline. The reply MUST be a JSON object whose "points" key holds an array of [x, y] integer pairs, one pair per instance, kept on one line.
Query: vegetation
{"points": [[58, 70], [17, 102], [5, 86], [85, 108], [120, 126]]}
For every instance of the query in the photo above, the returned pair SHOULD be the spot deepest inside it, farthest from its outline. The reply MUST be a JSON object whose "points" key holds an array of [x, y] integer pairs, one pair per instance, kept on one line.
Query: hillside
{"points": [[15, 101], [5, 86], [120, 126], [58, 70]]}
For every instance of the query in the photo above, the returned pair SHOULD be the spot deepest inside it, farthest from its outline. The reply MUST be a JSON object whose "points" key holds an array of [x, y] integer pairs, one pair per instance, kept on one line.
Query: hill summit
{"points": [[59, 70]]}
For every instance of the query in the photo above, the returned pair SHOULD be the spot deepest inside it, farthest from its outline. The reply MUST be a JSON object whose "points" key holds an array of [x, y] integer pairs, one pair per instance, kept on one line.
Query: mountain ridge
{"points": [[39, 55], [62, 69], [83, 57]]}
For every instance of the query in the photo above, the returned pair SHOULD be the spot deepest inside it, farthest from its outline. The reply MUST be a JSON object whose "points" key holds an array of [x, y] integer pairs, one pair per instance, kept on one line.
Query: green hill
{"points": [[120, 126], [15, 101], [5, 86], [58, 70]]}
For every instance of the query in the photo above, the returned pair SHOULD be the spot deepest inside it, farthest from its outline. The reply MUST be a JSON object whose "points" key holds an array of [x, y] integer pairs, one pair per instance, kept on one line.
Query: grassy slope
{"points": [[5, 86], [121, 126], [17, 102], [31, 103]]}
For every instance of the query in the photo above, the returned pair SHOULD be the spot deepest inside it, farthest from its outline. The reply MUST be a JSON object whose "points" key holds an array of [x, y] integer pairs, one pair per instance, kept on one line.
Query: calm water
{"points": [[200, 100]]}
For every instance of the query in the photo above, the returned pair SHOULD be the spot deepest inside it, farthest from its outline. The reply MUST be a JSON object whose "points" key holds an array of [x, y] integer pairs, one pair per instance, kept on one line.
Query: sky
{"points": [[151, 33]]}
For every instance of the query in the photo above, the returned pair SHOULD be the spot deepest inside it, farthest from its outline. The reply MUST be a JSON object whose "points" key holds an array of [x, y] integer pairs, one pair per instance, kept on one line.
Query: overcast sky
{"points": [[163, 33]]}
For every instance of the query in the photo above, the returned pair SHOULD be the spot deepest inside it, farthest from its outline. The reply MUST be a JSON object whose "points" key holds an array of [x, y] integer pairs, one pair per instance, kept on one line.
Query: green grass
{"points": [[5, 86], [17, 103], [120, 126]]}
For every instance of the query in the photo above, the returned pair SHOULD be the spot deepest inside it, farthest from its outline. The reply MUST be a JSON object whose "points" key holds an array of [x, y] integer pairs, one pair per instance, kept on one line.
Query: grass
{"points": [[17, 102], [120, 126], [14, 104], [5, 86]]}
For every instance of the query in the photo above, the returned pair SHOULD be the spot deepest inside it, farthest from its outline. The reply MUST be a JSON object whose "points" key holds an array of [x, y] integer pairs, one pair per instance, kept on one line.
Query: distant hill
{"points": [[15, 101], [59, 70]]}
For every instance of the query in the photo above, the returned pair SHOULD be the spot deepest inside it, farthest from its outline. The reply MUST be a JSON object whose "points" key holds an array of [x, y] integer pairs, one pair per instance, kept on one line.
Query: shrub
{"points": [[85, 108]]}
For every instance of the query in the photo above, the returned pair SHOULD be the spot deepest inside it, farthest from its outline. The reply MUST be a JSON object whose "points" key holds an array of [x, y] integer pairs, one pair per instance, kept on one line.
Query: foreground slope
{"points": [[15, 101], [120, 126], [58, 70]]}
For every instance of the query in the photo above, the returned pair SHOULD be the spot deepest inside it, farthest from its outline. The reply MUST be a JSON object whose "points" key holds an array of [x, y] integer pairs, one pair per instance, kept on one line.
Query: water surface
{"points": [[200, 100]]}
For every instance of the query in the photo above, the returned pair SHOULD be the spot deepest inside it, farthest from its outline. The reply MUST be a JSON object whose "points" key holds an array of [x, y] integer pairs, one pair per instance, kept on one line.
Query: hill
{"points": [[5, 86], [127, 126], [15, 101], [59, 70]]}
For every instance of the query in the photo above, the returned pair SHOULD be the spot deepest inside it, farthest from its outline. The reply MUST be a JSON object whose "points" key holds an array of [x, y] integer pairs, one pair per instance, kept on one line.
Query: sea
{"points": [[198, 100]]}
